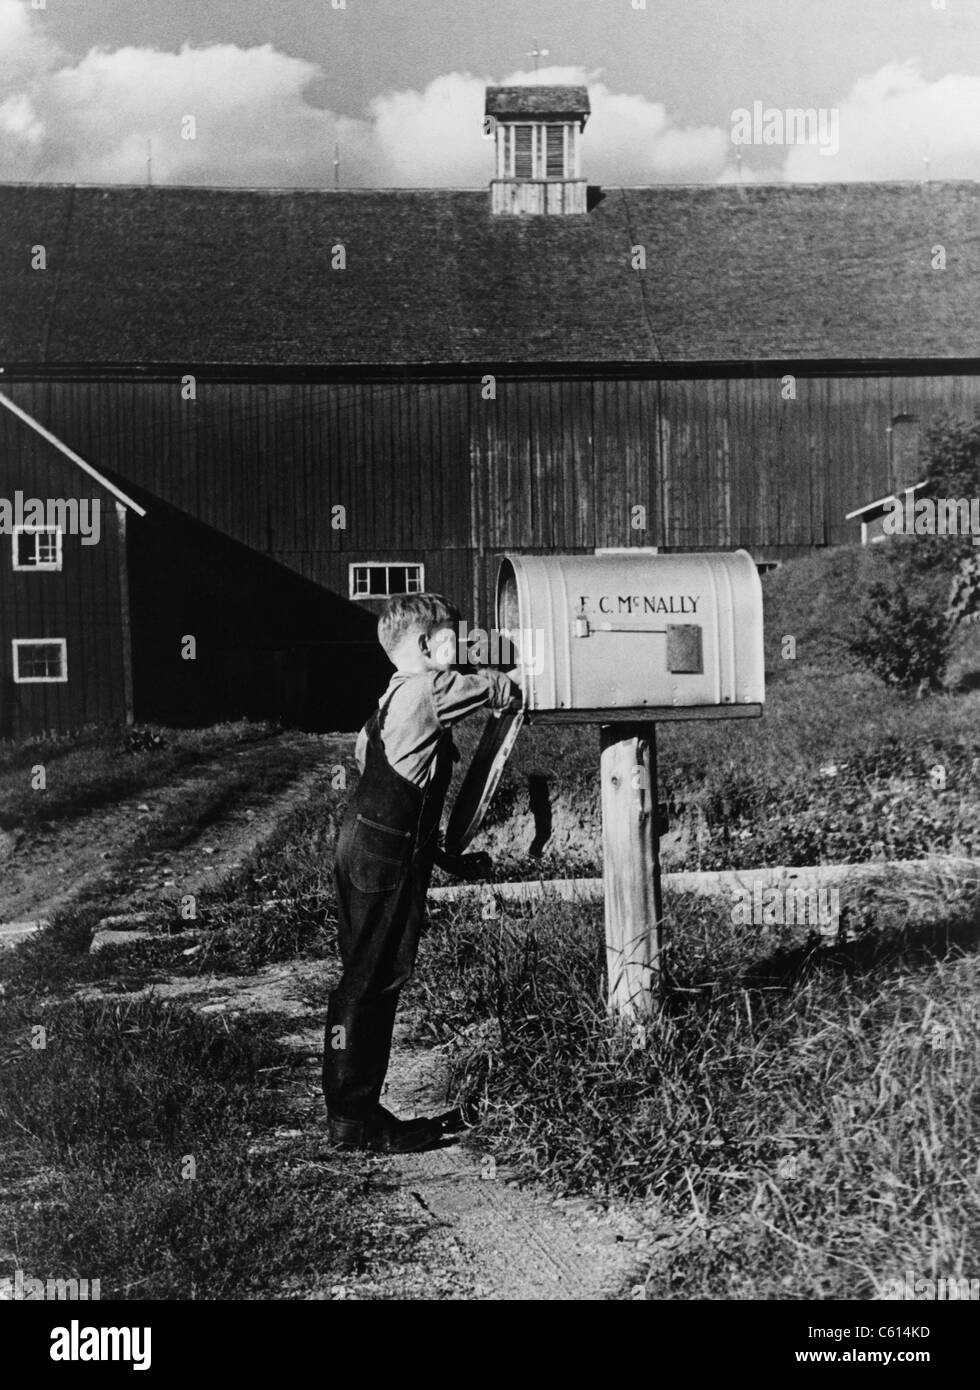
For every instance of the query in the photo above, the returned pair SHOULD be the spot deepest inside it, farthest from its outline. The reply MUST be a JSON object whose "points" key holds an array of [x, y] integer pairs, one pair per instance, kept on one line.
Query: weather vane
{"points": [[537, 53]]}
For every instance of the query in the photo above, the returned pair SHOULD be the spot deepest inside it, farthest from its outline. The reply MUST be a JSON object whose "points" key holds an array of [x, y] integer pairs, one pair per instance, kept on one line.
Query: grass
{"points": [[56, 961], [280, 903], [96, 767], [806, 1116], [132, 1154]]}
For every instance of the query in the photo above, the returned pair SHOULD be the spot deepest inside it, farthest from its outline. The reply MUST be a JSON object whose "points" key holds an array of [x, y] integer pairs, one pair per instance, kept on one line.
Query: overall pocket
{"points": [[379, 856]]}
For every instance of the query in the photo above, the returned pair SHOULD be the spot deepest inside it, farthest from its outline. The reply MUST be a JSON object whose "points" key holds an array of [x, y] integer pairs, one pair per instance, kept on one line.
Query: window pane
{"points": [[522, 154], [47, 546], [39, 660], [379, 581], [25, 543], [556, 151]]}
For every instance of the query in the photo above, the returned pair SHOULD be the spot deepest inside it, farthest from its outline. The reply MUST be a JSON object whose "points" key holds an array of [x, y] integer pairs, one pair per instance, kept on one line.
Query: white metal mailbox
{"points": [[635, 637]]}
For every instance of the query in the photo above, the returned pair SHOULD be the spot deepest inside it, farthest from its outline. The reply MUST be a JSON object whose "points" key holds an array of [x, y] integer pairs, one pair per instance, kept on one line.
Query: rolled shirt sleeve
{"points": [[455, 695]]}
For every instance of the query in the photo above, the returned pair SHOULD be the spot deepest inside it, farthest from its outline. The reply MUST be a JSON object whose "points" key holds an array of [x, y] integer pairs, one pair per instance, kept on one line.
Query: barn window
{"points": [[37, 661], [37, 548], [378, 580], [556, 152], [523, 152]]}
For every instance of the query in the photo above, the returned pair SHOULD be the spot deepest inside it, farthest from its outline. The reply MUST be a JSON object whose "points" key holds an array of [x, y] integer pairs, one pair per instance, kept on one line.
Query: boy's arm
{"points": [[360, 750], [455, 695]]}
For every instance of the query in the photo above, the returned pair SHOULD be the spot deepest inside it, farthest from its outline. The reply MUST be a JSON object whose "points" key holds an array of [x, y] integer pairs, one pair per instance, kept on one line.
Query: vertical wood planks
{"points": [[631, 867]]}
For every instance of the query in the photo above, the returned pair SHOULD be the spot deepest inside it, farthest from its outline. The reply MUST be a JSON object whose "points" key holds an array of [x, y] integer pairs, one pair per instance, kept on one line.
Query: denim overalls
{"points": [[385, 851]]}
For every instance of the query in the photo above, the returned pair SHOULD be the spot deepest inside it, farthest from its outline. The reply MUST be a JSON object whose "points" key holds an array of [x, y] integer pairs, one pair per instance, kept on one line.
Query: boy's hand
{"points": [[517, 696]]}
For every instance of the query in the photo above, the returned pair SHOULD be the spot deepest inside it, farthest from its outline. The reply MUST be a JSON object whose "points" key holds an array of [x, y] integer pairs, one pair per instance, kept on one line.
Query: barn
{"points": [[320, 397]]}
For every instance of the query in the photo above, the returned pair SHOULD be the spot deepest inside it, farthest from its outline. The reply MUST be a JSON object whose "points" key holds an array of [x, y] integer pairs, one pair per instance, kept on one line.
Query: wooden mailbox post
{"points": [[631, 867]]}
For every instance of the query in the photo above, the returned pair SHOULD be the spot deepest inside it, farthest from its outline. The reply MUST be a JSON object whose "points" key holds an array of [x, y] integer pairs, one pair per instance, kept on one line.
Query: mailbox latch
{"points": [[685, 656]]}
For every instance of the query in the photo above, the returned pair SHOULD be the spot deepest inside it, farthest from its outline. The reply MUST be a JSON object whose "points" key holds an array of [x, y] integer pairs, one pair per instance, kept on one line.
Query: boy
{"points": [[385, 851]]}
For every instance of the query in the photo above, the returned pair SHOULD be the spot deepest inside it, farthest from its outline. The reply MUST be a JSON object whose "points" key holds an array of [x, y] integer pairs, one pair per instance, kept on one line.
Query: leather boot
{"points": [[384, 1133]]}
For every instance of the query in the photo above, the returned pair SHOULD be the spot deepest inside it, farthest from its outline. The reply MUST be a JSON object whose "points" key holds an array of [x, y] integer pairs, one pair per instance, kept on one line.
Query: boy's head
{"points": [[418, 631]]}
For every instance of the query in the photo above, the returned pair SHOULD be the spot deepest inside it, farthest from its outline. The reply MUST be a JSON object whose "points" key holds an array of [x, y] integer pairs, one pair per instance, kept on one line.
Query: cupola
{"points": [[538, 133]]}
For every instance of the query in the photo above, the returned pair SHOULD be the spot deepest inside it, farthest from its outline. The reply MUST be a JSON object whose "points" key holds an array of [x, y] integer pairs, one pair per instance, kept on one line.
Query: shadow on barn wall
{"points": [[270, 644]]}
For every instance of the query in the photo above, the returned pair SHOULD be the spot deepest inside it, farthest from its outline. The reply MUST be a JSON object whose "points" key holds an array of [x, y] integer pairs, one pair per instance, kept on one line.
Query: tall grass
{"points": [[804, 1114], [128, 1157]]}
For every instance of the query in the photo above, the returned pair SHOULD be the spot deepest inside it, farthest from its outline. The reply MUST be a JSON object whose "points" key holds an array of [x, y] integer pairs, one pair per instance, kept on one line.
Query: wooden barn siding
{"points": [[81, 603], [431, 471]]}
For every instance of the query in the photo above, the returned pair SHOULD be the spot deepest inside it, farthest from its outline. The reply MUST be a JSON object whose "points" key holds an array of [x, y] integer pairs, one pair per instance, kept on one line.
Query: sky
{"points": [[682, 91]]}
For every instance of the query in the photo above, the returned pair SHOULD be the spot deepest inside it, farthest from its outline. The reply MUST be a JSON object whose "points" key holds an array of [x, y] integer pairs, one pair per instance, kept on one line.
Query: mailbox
{"points": [[635, 636]]}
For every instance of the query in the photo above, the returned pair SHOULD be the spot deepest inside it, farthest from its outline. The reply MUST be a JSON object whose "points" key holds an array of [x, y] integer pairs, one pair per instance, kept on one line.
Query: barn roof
{"points": [[505, 102], [232, 277]]}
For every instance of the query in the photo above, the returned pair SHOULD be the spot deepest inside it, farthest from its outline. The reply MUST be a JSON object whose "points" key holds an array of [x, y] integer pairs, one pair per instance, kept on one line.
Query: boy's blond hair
{"points": [[405, 613]]}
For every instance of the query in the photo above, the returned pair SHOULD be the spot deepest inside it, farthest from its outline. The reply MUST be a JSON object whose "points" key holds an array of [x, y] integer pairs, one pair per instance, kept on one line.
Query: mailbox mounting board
{"points": [[604, 638]]}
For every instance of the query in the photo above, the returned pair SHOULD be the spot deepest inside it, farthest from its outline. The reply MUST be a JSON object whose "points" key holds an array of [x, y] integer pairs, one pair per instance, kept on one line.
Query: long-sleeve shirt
{"points": [[421, 705]]}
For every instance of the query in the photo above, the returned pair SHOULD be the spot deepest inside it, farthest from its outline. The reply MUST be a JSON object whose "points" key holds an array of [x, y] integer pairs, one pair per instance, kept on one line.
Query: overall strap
{"points": [[384, 708]]}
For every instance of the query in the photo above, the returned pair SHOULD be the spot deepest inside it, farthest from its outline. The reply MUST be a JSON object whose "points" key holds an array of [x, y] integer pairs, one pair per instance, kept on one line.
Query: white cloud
{"points": [[890, 121], [18, 120], [252, 124], [25, 49], [435, 137], [89, 121]]}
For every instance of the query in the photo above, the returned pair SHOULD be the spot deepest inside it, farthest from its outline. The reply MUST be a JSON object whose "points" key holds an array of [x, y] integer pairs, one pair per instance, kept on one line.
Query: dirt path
{"points": [[488, 1238], [92, 856], [518, 1241]]}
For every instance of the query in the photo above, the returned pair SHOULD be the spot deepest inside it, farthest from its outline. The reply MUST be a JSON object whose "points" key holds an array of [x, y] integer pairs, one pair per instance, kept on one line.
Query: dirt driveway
{"points": [[194, 831]]}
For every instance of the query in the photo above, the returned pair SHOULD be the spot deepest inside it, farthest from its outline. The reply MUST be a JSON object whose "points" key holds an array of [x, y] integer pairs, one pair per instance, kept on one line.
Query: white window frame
{"points": [[62, 642], [356, 565], [48, 566]]}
